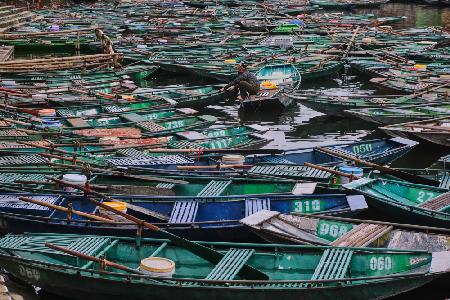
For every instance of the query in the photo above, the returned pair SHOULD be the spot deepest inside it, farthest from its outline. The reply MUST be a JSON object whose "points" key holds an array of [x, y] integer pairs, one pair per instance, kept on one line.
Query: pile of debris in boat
{"points": [[107, 180]]}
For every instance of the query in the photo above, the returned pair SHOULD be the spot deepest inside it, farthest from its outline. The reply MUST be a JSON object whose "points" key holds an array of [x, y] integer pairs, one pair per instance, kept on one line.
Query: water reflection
{"points": [[417, 15]]}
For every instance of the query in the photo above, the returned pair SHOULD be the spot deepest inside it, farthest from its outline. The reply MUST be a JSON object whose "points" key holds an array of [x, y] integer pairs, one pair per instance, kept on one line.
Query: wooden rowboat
{"points": [[240, 271]]}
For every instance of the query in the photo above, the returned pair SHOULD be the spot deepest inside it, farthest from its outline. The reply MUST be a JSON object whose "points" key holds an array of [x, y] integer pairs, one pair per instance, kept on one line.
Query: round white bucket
{"points": [[77, 179], [233, 160], [157, 267], [118, 205]]}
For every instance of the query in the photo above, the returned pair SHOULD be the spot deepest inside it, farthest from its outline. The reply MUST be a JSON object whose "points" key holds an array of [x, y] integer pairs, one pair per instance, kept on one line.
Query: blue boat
{"points": [[379, 151], [196, 218]]}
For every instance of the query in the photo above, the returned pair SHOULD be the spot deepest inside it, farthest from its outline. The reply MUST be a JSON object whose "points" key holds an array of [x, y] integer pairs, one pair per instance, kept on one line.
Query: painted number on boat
{"points": [[332, 230], [307, 206], [362, 148], [380, 263], [424, 196], [29, 273]]}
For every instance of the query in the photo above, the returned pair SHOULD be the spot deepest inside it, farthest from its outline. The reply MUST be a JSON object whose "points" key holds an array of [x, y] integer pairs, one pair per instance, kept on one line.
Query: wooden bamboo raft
{"points": [[60, 63], [362, 235]]}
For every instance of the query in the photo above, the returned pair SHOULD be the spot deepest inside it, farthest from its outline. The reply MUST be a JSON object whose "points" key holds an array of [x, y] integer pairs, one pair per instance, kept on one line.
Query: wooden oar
{"points": [[218, 167], [204, 252], [397, 173], [65, 209], [336, 172], [101, 261]]}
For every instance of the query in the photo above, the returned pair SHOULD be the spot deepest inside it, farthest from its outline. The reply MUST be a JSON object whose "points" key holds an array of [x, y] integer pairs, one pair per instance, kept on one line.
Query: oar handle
{"points": [[65, 209], [336, 172], [92, 258], [350, 157]]}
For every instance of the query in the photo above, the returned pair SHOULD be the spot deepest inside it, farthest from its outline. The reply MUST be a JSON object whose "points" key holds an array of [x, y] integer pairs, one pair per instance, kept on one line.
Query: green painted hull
{"points": [[58, 282], [290, 272]]}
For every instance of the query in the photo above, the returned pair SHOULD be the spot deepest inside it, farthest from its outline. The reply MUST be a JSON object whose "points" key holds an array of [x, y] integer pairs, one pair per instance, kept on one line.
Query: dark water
{"points": [[300, 127]]}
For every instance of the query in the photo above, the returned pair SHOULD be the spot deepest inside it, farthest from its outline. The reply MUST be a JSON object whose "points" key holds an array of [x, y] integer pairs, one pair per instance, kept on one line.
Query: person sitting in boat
{"points": [[246, 82]]}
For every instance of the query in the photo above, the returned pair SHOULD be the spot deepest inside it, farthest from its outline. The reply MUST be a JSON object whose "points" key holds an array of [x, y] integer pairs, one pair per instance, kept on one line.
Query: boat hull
{"points": [[60, 281]]}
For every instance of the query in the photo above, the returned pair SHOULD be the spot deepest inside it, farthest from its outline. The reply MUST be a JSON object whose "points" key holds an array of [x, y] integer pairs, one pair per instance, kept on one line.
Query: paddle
{"points": [[218, 167], [336, 172], [204, 252], [65, 209], [397, 173], [101, 261]]}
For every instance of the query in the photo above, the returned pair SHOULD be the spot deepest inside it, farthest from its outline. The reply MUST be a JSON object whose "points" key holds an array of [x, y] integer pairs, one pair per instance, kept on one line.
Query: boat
{"points": [[436, 131], [278, 81], [275, 227], [402, 114], [406, 202], [66, 264], [203, 217], [379, 151], [188, 96]]}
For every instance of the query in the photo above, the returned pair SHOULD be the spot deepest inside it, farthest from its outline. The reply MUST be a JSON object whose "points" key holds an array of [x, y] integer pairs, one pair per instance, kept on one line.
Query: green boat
{"points": [[406, 202], [402, 114], [277, 82], [190, 96], [37, 182], [434, 130], [236, 271], [276, 227]]}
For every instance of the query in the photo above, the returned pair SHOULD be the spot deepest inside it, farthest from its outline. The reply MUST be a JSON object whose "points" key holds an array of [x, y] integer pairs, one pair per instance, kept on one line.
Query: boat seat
{"points": [[184, 212], [114, 108], [12, 133], [362, 235], [65, 112], [275, 159], [438, 203], [230, 265], [13, 201], [184, 145], [342, 151], [132, 117], [165, 185], [151, 126], [87, 245], [78, 122], [333, 264], [22, 160], [13, 177], [130, 161], [214, 188], [445, 181], [256, 204], [290, 171], [134, 153]]}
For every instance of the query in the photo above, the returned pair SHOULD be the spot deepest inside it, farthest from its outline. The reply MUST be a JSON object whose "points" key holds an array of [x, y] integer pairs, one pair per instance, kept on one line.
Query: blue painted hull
{"points": [[216, 219]]}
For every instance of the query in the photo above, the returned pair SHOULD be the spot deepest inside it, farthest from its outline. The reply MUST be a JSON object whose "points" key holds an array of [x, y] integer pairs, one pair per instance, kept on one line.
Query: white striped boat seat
{"points": [[183, 212]]}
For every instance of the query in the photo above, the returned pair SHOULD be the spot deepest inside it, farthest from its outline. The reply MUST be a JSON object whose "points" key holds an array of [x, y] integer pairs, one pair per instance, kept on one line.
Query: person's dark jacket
{"points": [[246, 76]]}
